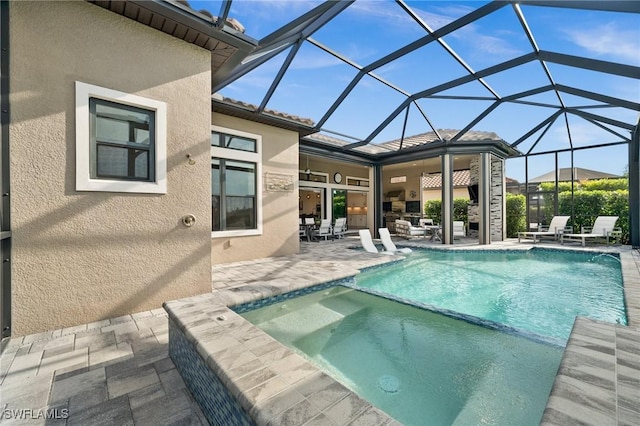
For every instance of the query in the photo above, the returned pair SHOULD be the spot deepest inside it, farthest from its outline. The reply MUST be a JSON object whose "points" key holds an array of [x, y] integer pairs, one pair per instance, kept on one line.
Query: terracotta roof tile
{"points": [[446, 134], [434, 180], [251, 107]]}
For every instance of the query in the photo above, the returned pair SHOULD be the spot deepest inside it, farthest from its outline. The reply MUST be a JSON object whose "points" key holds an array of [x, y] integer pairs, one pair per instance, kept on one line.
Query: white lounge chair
{"points": [[340, 227], [557, 227], [324, 230], [385, 237], [604, 227], [458, 229], [367, 242]]}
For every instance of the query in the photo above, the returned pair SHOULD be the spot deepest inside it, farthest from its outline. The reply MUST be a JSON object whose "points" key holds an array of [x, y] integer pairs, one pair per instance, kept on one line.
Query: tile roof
{"points": [[230, 22], [564, 175], [410, 141], [251, 107], [446, 134], [434, 180]]}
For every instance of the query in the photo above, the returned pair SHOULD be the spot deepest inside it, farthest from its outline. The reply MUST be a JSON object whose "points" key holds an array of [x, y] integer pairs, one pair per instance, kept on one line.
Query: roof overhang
{"points": [[227, 45], [499, 148], [247, 112]]}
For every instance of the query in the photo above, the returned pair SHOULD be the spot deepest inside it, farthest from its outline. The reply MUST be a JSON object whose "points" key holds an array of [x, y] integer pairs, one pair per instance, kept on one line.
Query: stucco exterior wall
{"points": [[279, 209], [436, 194], [86, 256]]}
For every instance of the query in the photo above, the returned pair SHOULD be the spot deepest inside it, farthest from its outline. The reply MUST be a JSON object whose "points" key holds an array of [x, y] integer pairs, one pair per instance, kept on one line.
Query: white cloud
{"points": [[307, 61], [443, 15], [480, 43], [608, 40], [380, 9]]}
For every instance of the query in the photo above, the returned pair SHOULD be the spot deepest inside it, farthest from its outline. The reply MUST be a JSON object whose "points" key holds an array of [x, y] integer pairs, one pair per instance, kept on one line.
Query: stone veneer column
{"points": [[484, 199], [497, 206], [497, 199]]}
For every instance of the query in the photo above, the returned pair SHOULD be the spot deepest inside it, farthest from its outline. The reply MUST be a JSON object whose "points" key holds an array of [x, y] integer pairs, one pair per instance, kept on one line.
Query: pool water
{"points": [[418, 366], [540, 291]]}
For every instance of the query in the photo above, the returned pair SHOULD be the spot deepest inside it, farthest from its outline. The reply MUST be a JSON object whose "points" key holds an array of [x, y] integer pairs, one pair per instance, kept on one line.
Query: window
{"points": [[356, 181], [120, 141], [235, 183], [224, 140]]}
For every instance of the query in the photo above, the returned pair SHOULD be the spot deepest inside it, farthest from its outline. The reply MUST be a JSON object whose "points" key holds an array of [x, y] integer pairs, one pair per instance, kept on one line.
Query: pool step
{"points": [[302, 323]]}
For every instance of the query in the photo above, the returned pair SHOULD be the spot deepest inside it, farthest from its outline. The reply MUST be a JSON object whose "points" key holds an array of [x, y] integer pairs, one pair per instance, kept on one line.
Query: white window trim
{"points": [[84, 182], [239, 155], [348, 178]]}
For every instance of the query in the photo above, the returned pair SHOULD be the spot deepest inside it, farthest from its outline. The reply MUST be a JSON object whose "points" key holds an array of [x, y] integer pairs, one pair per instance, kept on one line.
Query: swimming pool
{"points": [[537, 290], [418, 366]]}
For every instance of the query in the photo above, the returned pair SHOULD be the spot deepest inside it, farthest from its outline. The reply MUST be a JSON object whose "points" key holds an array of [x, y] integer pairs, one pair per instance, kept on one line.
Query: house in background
{"points": [[565, 175]]}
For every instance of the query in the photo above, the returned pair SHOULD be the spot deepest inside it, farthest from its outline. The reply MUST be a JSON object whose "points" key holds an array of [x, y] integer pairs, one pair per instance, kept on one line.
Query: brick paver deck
{"points": [[117, 371]]}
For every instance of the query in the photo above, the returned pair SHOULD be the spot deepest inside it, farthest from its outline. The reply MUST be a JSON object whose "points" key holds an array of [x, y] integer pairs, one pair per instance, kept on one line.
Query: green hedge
{"points": [[590, 204], [516, 214], [433, 210], [593, 198], [621, 184]]}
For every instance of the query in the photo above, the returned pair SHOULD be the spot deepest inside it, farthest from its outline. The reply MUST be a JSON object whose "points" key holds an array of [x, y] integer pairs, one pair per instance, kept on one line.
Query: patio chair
{"points": [[302, 232], [425, 222], [405, 229], [367, 242], [324, 230], [340, 227], [557, 227], [458, 229], [604, 227], [388, 244]]}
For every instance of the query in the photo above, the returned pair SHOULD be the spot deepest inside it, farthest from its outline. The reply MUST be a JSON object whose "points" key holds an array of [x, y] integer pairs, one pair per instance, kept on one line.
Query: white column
{"points": [[447, 198]]}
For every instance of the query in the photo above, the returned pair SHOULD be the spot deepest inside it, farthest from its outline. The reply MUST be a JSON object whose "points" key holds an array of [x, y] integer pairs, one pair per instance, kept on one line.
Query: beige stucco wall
{"points": [[436, 194], [324, 165], [279, 209], [87, 256]]}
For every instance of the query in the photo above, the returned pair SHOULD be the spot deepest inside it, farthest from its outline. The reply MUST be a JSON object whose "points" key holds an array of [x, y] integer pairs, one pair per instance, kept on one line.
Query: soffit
{"points": [[228, 45]]}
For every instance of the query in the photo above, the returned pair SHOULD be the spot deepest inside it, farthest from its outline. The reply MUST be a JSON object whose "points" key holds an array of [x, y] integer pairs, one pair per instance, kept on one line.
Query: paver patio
{"points": [[118, 371]]}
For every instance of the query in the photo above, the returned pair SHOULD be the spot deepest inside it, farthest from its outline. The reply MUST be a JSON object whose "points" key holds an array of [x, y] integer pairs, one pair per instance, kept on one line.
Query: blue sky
{"points": [[370, 29]]}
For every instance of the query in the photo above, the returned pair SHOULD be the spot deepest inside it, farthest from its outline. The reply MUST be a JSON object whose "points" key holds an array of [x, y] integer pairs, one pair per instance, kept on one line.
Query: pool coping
{"points": [[275, 385]]}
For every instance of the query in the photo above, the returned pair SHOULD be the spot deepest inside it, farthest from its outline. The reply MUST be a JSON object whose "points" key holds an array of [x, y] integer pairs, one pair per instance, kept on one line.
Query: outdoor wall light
{"points": [[191, 160]]}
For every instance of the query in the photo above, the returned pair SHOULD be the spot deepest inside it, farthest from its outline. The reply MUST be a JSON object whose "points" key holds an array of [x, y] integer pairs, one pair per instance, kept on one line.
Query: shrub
{"points": [[516, 219], [590, 204], [433, 210]]}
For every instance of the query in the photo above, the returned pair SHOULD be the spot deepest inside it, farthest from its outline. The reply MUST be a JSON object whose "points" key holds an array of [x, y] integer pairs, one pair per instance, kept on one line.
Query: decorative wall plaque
{"points": [[277, 182]]}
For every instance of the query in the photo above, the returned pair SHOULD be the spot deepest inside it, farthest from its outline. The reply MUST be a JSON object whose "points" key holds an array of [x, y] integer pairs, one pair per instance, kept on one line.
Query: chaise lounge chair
{"points": [[557, 227], [367, 242], [388, 244], [603, 228]]}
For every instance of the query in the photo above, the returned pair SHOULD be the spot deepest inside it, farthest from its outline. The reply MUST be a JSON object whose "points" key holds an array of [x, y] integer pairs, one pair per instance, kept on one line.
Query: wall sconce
{"points": [[191, 160], [308, 196]]}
